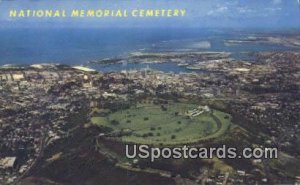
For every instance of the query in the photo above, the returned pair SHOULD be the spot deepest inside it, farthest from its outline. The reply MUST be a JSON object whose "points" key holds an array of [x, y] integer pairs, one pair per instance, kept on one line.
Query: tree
{"points": [[163, 108], [150, 134], [115, 122]]}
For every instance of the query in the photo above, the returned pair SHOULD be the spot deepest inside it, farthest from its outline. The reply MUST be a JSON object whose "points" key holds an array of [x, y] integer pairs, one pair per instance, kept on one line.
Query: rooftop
{"points": [[7, 162]]}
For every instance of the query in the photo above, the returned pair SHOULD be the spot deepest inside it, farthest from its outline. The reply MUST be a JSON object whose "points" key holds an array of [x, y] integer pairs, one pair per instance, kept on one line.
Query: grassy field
{"points": [[154, 124]]}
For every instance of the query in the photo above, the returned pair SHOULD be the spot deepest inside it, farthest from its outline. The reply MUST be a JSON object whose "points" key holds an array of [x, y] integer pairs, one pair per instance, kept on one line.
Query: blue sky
{"points": [[200, 13]]}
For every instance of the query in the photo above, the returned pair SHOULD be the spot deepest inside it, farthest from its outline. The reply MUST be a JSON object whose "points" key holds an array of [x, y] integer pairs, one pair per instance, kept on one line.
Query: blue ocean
{"points": [[79, 46]]}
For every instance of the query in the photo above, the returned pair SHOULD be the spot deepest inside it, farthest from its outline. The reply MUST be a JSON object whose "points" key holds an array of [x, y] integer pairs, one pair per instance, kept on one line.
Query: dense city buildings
{"points": [[48, 113]]}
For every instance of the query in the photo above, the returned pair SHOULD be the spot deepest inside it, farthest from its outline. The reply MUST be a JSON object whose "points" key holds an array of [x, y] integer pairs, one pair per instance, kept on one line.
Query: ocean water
{"points": [[78, 46]]}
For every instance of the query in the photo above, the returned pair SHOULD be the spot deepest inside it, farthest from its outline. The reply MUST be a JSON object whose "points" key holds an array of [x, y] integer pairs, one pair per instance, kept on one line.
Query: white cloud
{"points": [[273, 9], [276, 2], [218, 10], [244, 10], [222, 9]]}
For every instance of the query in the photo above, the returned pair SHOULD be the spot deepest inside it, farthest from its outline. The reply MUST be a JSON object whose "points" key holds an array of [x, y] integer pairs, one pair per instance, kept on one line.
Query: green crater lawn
{"points": [[154, 124]]}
